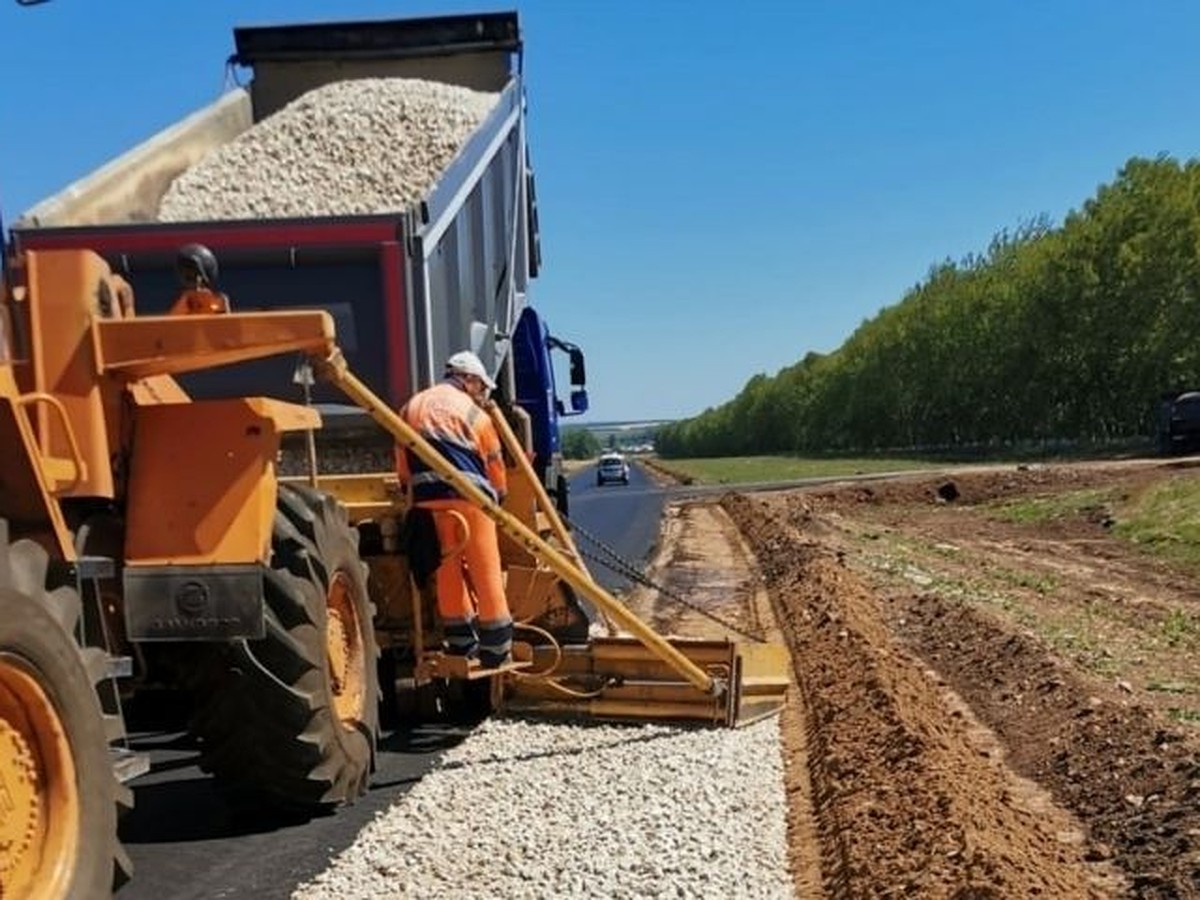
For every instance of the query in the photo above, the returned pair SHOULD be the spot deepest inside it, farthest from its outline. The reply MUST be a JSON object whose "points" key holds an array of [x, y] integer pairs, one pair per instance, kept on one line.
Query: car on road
{"points": [[612, 467]]}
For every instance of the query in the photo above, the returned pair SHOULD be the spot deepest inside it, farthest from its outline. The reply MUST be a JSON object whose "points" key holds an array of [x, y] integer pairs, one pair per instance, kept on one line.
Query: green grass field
{"points": [[750, 469], [1164, 520]]}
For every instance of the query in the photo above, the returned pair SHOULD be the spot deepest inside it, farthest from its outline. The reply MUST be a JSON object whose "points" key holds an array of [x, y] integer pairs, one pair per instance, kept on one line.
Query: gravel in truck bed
{"points": [[529, 810], [357, 147]]}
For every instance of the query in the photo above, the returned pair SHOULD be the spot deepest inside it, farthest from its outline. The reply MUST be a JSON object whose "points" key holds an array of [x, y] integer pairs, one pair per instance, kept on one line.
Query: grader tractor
{"points": [[148, 539]]}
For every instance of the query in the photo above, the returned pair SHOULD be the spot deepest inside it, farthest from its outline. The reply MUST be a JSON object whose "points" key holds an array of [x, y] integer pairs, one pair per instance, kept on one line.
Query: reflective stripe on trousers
{"points": [[461, 639], [495, 641]]}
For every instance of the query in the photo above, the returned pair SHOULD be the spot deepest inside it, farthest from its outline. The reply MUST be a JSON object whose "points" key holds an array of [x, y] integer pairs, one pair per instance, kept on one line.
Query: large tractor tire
{"points": [[294, 717], [58, 793]]}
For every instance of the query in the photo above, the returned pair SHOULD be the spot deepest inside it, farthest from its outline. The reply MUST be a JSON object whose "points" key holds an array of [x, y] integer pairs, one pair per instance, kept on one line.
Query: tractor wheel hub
{"points": [[20, 803]]}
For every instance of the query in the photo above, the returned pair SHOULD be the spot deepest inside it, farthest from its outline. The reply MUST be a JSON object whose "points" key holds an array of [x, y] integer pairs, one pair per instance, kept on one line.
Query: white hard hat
{"points": [[467, 363]]}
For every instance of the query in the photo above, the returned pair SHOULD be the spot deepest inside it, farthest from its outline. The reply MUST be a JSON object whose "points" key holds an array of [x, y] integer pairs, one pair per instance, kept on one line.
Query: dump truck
{"points": [[207, 503], [408, 286]]}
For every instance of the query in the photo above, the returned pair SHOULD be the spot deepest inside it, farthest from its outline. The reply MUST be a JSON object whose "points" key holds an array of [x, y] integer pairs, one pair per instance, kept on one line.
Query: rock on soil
{"points": [[368, 145]]}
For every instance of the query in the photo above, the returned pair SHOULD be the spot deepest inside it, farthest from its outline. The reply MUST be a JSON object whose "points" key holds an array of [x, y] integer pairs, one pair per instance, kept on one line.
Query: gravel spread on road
{"points": [[533, 809]]}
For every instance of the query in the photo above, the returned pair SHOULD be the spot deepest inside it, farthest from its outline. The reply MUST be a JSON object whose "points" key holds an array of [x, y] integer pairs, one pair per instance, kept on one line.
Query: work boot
{"points": [[460, 638], [495, 643]]}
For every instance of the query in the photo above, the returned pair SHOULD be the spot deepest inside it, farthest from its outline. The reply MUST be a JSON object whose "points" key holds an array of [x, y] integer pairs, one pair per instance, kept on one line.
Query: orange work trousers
{"points": [[476, 566]]}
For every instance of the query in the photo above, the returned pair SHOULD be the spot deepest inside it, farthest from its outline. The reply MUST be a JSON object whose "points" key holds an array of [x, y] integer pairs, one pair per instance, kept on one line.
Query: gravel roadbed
{"points": [[532, 809]]}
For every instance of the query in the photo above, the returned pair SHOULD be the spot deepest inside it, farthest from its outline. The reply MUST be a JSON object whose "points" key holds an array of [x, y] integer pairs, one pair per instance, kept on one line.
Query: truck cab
{"points": [[534, 348]]}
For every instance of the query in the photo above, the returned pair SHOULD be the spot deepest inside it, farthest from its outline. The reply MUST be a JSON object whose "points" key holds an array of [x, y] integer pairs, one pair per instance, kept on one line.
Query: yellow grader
{"points": [[136, 516], [148, 538]]}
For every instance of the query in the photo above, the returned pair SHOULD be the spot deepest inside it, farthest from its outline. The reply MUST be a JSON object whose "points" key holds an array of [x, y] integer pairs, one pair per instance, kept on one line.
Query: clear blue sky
{"points": [[723, 187]]}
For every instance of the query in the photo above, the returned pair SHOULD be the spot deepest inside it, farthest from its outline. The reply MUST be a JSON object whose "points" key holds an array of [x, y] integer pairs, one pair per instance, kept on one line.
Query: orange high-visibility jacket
{"points": [[448, 418]]}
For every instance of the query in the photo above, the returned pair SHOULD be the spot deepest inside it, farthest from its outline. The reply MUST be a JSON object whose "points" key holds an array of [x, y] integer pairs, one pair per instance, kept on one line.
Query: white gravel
{"points": [[536, 810], [362, 146]]}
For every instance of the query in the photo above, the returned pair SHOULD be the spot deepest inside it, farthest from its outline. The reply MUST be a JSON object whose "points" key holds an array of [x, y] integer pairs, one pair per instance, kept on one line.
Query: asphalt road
{"points": [[188, 841], [622, 518]]}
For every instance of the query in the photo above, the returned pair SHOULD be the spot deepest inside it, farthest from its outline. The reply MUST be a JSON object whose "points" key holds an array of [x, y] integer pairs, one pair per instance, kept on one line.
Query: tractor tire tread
{"points": [[37, 625], [265, 716]]}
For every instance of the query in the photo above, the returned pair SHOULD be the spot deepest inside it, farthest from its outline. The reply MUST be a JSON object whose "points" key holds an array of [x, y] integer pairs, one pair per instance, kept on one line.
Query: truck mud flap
{"points": [[194, 603]]}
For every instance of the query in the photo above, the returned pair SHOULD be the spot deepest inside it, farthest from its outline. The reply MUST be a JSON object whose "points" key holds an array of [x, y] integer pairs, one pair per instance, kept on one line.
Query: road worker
{"points": [[450, 415], [196, 267]]}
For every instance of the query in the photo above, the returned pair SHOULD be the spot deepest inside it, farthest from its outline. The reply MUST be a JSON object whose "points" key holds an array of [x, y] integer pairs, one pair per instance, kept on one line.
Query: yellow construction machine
{"points": [[141, 520], [148, 539]]}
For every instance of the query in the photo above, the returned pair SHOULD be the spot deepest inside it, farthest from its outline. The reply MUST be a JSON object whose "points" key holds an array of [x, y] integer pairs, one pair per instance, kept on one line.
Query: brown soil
{"points": [[982, 708]]}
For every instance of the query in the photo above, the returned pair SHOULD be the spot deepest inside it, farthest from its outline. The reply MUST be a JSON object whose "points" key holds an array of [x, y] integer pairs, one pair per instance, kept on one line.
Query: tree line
{"points": [[1069, 333], [579, 443]]}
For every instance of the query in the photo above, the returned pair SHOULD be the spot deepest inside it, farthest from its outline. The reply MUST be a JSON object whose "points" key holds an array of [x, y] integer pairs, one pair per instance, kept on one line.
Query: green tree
{"points": [[1052, 334], [579, 443]]}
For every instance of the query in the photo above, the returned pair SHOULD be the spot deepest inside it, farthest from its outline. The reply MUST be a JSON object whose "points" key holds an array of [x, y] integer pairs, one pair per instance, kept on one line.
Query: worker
{"points": [[196, 267], [451, 416]]}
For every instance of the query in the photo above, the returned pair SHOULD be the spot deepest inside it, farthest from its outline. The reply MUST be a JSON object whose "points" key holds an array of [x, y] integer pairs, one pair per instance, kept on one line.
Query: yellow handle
{"points": [[56, 404]]}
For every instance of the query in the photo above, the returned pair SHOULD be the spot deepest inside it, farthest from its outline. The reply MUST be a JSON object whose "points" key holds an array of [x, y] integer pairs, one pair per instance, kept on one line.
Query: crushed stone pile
{"points": [[357, 147]]}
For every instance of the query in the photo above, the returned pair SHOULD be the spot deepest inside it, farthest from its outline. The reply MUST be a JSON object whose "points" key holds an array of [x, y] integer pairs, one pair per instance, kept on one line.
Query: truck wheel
{"points": [[294, 717], [58, 831], [562, 493]]}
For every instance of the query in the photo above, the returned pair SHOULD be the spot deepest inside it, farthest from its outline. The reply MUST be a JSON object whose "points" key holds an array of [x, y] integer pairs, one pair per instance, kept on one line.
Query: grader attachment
{"points": [[620, 678], [641, 675]]}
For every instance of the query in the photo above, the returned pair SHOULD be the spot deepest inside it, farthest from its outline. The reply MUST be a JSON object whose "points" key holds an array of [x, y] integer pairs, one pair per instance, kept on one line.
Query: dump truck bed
{"points": [[407, 287]]}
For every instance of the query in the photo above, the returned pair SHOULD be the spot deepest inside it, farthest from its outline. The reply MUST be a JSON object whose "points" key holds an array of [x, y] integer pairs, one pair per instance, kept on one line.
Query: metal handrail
{"points": [[54, 403]]}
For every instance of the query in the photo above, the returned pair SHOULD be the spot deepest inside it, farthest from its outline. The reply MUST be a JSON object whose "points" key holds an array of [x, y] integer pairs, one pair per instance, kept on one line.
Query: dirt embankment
{"points": [[980, 702]]}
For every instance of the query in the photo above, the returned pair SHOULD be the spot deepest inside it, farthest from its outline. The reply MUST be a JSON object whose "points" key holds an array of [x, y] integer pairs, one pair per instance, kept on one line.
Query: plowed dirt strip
{"points": [[1076, 647], [911, 795]]}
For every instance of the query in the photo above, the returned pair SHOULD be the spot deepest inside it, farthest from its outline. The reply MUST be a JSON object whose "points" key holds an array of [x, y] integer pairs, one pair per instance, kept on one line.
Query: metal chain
{"points": [[617, 563]]}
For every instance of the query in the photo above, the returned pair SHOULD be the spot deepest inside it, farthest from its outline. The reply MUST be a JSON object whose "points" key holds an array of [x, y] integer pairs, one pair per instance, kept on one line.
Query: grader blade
{"points": [[618, 678]]}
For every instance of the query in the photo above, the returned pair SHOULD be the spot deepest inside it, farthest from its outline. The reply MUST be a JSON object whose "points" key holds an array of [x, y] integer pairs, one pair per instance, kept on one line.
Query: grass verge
{"points": [[751, 469], [1163, 520]]}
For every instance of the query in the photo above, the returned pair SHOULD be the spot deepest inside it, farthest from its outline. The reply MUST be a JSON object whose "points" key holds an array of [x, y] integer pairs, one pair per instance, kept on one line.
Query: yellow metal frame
{"points": [[334, 369], [233, 524], [202, 485], [365, 496]]}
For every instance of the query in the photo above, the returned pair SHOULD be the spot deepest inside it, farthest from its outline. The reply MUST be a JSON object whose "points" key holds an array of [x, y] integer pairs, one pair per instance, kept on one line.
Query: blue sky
{"points": [[723, 187]]}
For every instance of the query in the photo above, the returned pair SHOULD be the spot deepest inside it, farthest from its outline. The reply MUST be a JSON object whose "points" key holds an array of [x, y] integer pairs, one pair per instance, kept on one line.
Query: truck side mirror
{"points": [[579, 401], [578, 374]]}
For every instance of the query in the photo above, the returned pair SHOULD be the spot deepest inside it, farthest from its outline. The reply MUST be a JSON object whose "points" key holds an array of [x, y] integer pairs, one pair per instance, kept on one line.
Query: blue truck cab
{"points": [[537, 394]]}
